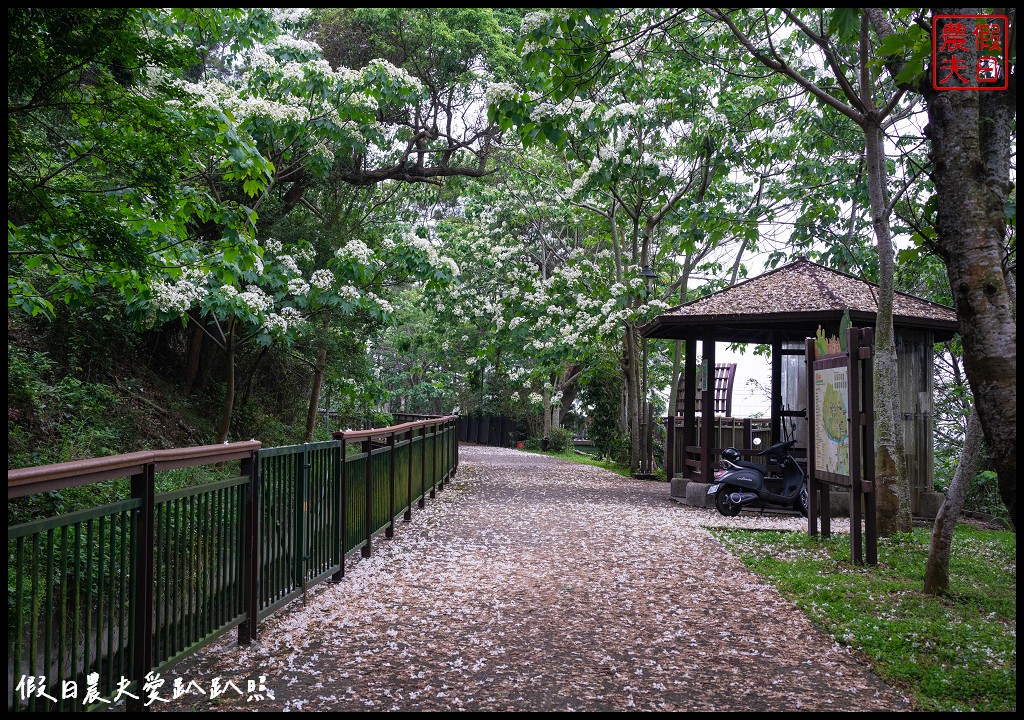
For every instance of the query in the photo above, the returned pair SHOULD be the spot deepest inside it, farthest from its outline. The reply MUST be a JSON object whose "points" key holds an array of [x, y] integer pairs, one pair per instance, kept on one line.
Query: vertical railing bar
{"points": [[219, 523], [122, 628], [408, 510], [160, 580], [423, 466], [200, 548], [205, 560], [277, 543], [99, 595], [112, 579], [19, 610], [161, 572], [343, 513], [222, 583], [185, 532], [391, 485], [322, 507], [190, 570], [213, 612], [208, 556], [86, 655], [48, 640], [367, 548], [433, 463], [267, 528], [250, 580], [77, 603], [63, 611], [178, 577], [299, 560], [237, 553], [338, 538], [143, 488], [286, 519], [33, 642], [208, 546], [229, 553]]}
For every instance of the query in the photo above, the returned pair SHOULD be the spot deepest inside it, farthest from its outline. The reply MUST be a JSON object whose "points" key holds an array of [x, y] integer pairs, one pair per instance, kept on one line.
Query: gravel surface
{"points": [[534, 584]]}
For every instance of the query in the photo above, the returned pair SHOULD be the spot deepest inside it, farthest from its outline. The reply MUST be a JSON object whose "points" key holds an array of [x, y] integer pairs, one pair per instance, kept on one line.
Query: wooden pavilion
{"points": [[782, 308]]}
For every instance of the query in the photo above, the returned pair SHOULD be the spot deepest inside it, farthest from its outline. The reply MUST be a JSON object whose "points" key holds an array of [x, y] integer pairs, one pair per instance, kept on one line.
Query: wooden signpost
{"points": [[840, 436]]}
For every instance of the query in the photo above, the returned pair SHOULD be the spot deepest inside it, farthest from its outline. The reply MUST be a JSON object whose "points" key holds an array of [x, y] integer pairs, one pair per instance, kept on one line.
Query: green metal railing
{"points": [[102, 597]]}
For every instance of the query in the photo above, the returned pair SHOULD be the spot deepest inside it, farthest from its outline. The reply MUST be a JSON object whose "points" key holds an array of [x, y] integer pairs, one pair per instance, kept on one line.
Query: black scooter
{"points": [[741, 483]]}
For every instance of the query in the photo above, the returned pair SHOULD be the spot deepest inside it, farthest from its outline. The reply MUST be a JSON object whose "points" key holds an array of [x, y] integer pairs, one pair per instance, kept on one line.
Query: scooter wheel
{"points": [[724, 505], [801, 499]]}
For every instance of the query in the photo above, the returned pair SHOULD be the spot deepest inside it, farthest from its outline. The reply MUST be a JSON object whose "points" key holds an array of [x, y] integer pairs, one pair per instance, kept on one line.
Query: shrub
{"points": [[560, 440]]}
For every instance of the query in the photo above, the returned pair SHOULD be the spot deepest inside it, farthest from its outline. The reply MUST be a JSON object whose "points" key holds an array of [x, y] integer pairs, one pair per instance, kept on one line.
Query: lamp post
{"points": [[647, 464]]}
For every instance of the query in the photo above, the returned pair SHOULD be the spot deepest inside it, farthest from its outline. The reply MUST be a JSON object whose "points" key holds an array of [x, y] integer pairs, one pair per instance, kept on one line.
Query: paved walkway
{"points": [[533, 584]]}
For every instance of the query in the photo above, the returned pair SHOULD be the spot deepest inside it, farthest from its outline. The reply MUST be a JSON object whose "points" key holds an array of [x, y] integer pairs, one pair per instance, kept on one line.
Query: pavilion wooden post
{"points": [[689, 401], [776, 399], [707, 406]]}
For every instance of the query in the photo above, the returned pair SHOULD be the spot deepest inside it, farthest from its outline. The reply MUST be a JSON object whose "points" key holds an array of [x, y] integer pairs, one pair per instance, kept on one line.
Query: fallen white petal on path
{"points": [[534, 584]]}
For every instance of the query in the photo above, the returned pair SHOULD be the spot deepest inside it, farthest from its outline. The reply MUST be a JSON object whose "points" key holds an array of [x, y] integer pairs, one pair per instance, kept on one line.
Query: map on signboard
{"points": [[832, 434]]}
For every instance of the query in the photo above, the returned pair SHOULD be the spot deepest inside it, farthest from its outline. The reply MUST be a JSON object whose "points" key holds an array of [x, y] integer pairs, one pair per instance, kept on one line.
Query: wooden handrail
{"points": [[58, 476], [353, 435]]}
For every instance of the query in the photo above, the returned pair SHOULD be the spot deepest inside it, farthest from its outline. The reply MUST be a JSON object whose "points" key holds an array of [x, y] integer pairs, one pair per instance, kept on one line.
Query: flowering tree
{"points": [[634, 146], [257, 114]]}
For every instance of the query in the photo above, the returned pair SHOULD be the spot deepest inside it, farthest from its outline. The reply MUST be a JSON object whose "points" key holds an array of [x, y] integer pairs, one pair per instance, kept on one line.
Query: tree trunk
{"points": [[971, 141], [936, 573], [630, 368], [891, 481], [229, 393], [195, 351], [318, 379], [251, 376], [547, 414], [570, 388]]}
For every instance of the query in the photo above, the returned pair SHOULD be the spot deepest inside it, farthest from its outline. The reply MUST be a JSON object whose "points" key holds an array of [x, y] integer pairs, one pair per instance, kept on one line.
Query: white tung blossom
{"points": [[498, 92], [289, 263], [298, 286], [322, 279], [256, 299], [355, 250], [290, 43], [348, 292]]}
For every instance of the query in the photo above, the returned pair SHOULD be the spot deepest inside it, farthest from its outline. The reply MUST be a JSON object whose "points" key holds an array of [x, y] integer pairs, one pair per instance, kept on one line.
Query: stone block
{"points": [[697, 495], [679, 487]]}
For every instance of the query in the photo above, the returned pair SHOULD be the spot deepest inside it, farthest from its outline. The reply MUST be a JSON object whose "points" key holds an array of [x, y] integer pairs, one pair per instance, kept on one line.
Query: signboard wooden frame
{"points": [[825, 466]]}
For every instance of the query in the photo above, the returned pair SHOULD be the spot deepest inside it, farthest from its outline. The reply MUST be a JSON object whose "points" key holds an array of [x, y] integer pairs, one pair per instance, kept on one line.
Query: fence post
{"points": [[433, 463], [143, 487], [439, 452], [342, 508], [423, 466], [301, 477], [408, 510], [390, 532], [251, 556], [367, 548], [449, 431]]}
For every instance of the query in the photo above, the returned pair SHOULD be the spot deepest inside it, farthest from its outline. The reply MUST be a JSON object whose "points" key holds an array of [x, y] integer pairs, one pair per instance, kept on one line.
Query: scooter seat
{"points": [[763, 469]]}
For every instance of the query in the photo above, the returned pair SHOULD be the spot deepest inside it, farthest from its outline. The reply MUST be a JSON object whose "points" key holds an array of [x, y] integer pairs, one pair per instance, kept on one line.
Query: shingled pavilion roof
{"points": [[793, 300]]}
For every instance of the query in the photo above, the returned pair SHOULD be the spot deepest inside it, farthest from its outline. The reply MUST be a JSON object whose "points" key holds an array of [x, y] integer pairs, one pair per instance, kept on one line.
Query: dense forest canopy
{"points": [[234, 223]]}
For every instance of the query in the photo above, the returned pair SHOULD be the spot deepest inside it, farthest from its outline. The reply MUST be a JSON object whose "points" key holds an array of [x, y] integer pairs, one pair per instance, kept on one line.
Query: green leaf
{"points": [[845, 23]]}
